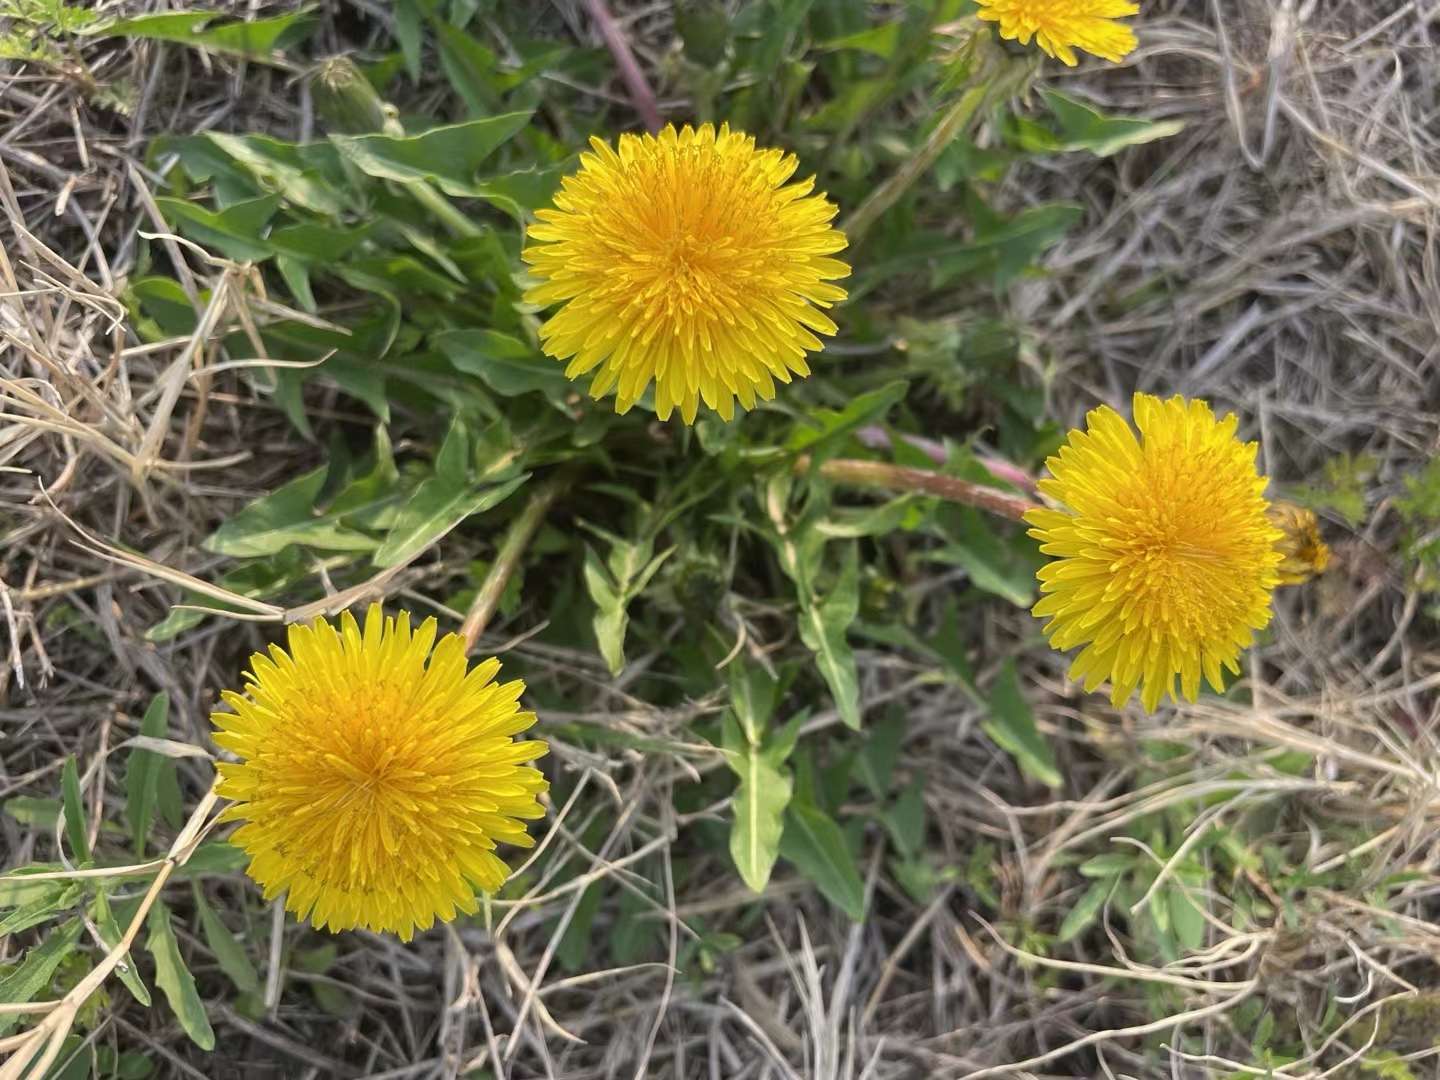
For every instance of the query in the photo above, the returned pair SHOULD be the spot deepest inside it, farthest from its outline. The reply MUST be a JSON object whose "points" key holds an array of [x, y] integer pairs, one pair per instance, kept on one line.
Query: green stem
{"points": [[956, 119], [507, 559], [444, 210]]}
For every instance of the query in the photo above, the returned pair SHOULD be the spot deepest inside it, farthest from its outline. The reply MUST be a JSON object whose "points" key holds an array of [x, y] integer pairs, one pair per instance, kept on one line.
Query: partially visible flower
{"points": [[1304, 553], [377, 776], [1164, 558], [687, 260], [1061, 26]]}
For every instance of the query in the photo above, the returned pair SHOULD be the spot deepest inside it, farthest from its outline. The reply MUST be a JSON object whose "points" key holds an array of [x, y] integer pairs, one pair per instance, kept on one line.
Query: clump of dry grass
{"points": [[1279, 257]]}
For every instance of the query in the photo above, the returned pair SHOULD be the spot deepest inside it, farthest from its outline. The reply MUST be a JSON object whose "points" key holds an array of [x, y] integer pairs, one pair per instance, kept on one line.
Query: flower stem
{"points": [[635, 81], [922, 481], [507, 559], [1003, 82]]}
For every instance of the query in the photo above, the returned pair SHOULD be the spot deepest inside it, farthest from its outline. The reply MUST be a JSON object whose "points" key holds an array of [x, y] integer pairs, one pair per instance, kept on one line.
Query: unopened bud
{"points": [[345, 99]]}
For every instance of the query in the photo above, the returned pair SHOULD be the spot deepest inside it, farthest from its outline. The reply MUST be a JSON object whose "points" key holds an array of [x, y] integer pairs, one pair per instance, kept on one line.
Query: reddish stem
{"points": [[640, 93], [877, 438], [901, 478]]}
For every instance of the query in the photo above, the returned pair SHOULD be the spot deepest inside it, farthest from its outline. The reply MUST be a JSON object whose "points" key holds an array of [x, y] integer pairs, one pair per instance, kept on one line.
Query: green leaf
{"points": [[879, 40], [57, 896], [447, 156], [229, 953], [704, 30], [610, 619], [333, 1000], [880, 752], [443, 501], [255, 40], [631, 569], [508, 365], [521, 192], [759, 807], [234, 232], [317, 961], [631, 936], [163, 301], [409, 34], [296, 273], [1186, 919], [31, 810], [815, 844], [579, 939], [851, 523], [142, 773], [996, 565], [213, 857], [779, 745], [310, 242], [174, 978], [435, 509], [783, 19], [949, 644], [850, 105], [1345, 484], [261, 579], [905, 819], [309, 175], [15, 890], [286, 516], [753, 695], [1004, 251], [823, 625], [111, 934], [74, 812], [826, 429], [619, 580], [33, 975], [1084, 128], [1110, 864], [470, 66], [1012, 727], [1078, 919]]}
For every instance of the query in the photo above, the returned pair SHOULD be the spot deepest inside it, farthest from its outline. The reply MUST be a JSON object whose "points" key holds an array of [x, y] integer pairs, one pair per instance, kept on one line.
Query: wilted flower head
{"points": [[1061, 26], [376, 776], [1304, 553], [687, 260], [1164, 558]]}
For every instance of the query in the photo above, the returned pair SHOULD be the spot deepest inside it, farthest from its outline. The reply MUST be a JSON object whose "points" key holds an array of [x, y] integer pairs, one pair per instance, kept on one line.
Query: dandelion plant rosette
{"points": [[1164, 557], [377, 776], [687, 260]]}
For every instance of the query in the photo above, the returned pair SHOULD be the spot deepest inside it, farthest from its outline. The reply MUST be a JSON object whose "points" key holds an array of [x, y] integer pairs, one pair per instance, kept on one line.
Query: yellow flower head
{"points": [[1164, 558], [375, 776], [1062, 26], [1304, 553], [686, 258]]}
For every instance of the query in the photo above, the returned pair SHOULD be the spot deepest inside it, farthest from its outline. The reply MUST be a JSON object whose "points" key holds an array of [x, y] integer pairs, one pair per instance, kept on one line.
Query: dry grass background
{"points": [[1280, 257]]}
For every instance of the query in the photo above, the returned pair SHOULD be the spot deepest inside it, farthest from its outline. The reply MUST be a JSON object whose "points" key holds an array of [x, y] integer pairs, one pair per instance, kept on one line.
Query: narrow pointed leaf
{"points": [[74, 812], [142, 774], [815, 844], [29, 980], [174, 978]]}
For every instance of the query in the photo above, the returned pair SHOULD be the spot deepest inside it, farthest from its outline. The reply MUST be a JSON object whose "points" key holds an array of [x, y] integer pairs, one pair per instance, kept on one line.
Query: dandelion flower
{"points": [[1061, 26], [687, 260], [1304, 554], [377, 776], [1163, 556]]}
